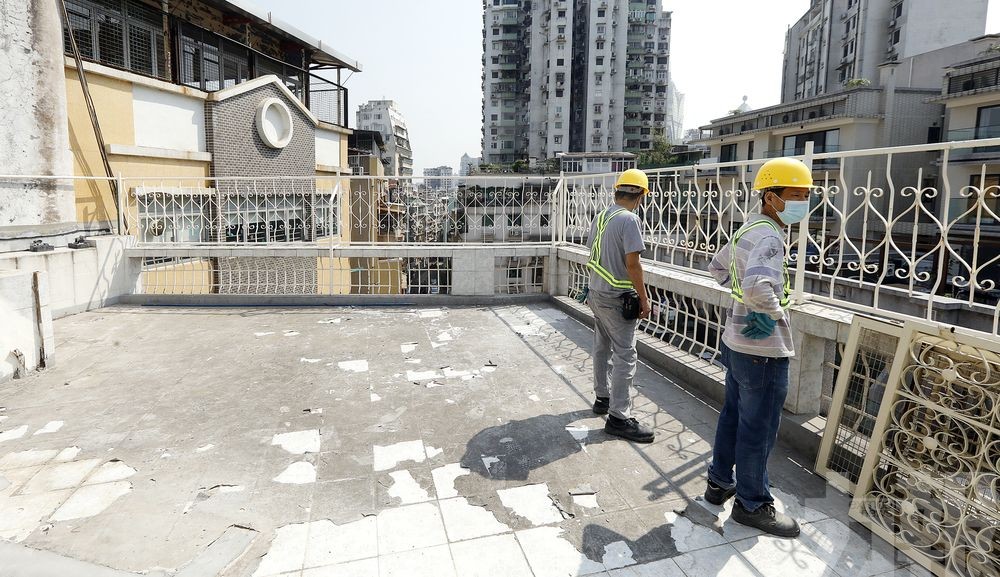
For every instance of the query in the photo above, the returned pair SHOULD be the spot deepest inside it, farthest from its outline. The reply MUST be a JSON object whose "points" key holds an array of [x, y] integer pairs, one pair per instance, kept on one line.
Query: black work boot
{"points": [[629, 429], [767, 519], [716, 495], [601, 405]]}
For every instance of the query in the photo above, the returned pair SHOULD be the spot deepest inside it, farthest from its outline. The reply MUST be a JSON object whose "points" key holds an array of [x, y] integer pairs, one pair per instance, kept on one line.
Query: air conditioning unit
{"points": [[843, 15], [892, 22]]}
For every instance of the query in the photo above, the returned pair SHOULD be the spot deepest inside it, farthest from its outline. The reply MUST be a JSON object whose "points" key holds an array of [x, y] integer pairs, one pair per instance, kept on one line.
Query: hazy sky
{"points": [[427, 56]]}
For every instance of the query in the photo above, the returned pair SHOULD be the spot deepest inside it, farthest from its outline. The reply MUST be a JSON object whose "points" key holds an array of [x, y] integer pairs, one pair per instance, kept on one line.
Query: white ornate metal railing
{"points": [[349, 209], [905, 231]]}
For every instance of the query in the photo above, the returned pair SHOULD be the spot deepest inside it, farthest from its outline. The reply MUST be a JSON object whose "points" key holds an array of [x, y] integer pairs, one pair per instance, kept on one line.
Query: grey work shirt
{"points": [[622, 236], [760, 261]]}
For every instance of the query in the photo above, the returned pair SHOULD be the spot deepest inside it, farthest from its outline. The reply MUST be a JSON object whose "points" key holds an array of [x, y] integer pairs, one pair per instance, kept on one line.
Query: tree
{"points": [[658, 156]]}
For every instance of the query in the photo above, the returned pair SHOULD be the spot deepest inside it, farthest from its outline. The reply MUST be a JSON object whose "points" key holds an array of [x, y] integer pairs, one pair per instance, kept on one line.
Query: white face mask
{"points": [[795, 211]]}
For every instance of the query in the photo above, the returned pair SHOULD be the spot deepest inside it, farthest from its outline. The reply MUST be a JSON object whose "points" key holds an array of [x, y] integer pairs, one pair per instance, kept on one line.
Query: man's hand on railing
{"points": [[759, 326], [582, 296]]}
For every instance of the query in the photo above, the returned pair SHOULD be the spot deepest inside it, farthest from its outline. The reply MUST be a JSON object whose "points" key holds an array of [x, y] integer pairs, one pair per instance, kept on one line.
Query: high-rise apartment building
{"points": [[575, 76], [434, 181], [383, 116], [838, 41]]}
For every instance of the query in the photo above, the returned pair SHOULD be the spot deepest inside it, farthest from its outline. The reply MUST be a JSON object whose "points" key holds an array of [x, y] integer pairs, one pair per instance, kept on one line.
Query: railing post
{"points": [[563, 222], [121, 203], [798, 293]]}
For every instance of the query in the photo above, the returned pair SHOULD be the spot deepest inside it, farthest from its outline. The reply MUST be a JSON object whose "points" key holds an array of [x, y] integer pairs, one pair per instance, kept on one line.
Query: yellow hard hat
{"points": [[782, 172], [634, 177]]}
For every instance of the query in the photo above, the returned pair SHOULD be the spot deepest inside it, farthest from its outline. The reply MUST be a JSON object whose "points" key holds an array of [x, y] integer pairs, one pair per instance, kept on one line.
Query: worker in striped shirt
{"points": [[756, 347]]}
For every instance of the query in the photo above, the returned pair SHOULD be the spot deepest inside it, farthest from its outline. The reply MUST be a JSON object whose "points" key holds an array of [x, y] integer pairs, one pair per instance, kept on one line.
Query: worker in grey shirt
{"points": [[616, 288], [756, 348]]}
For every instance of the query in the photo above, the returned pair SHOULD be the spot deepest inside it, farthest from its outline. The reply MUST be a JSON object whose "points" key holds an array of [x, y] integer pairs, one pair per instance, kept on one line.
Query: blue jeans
{"points": [[748, 425]]}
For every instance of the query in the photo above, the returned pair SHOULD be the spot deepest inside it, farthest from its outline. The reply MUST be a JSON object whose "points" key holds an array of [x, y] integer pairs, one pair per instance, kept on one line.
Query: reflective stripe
{"points": [[737, 284], [594, 263]]}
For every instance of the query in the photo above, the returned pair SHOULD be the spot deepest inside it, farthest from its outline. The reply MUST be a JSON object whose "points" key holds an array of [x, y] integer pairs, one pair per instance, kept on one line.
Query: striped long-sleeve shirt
{"points": [[760, 262]]}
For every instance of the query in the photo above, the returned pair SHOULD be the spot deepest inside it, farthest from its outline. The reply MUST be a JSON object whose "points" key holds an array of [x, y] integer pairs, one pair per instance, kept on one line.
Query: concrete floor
{"points": [[373, 442]]}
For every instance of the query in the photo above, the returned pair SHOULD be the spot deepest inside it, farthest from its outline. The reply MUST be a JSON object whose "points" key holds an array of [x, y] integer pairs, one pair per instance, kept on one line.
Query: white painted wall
{"points": [[34, 130], [328, 143], [22, 331], [168, 120]]}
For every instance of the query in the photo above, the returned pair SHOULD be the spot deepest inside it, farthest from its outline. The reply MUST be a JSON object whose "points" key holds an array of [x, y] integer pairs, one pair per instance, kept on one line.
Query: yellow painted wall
{"points": [[113, 102], [334, 276], [193, 277]]}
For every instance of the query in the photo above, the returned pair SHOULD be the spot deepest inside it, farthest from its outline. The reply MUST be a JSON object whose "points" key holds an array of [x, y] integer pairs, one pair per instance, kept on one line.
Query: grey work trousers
{"points": [[614, 352]]}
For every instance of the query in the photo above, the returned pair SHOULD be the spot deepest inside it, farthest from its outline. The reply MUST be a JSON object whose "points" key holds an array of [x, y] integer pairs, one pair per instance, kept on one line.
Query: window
{"points": [[601, 28], [560, 77], [598, 108], [602, 13], [894, 38], [493, 117], [823, 141], [600, 45], [559, 124], [750, 150], [598, 79], [560, 61], [557, 139], [559, 93], [562, 14], [596, 141], [599, 61], [597, 124], [562, 29], [727, 153], [897, 10], [493, 131], [125, 35], [496, 74], [991, 199]]}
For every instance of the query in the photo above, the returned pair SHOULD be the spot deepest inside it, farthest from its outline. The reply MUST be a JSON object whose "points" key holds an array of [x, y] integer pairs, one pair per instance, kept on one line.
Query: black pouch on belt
{"points": [[630, 305]]}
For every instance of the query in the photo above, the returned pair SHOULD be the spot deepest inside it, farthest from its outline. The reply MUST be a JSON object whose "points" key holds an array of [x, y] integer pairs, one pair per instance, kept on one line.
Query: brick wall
{"points": [[237, 149]]}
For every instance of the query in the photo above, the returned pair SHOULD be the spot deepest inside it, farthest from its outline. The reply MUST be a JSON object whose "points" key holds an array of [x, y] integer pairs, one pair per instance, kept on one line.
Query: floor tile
{"points": [[464, 521], [846, 551], [61, 476], [13, 479], [27, 458], [662, 568], [719, 561], [531, 502], [497, 556], [773, 556], [363, 568], [25, 512], [287, 552], [410, 527], [550, 555], [330, 544], [91, 500], [429, 562]]}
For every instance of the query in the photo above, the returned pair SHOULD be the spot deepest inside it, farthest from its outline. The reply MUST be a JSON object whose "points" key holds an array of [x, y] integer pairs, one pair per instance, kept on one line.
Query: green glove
{"points": [[759, 326]]}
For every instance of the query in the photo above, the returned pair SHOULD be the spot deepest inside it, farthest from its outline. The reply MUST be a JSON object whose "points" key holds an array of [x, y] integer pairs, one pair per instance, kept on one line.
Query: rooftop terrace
{"points": [[374, 441]]}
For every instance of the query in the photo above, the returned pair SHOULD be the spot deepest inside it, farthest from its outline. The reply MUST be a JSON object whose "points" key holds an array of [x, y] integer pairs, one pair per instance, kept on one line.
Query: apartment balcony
{"points": [[974, 153], [326, 393]]}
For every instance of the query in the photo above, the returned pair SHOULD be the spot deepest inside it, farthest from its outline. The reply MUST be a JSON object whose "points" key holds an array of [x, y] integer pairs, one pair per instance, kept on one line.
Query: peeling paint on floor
{"points": [[422, 375], [358, 366], [617, 555], [464, 521], [412, 361], [12, 434], [204, 448], [113, 470], [288, 333], [374, 397], [533, 398], [408, 347], [318, 544], [406, 489], [389, 456], [311, 361], [91, 500], [299, 473], [50, 427], [444, 337], [531, 502], [264, 334], [298, 442], [430, 314], [329, 321], [586, 501], [444, 479], [549, 553], [432, 452]]}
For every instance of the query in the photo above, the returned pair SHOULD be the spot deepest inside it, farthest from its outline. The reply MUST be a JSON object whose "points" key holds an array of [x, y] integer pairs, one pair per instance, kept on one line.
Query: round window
{"points": [[274, 123]]}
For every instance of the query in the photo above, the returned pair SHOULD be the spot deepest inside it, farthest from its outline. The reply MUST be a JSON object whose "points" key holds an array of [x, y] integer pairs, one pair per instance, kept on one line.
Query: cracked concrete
{"points": [[507, 473]]}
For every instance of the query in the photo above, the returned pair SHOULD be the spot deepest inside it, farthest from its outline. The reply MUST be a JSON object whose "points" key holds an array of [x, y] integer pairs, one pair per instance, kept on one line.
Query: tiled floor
{"points": [[377, 443]]}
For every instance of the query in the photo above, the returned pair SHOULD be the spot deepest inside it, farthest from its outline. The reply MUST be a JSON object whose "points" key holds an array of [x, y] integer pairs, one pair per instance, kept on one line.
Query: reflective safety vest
{"points": [[735, 282], [594, 263]]}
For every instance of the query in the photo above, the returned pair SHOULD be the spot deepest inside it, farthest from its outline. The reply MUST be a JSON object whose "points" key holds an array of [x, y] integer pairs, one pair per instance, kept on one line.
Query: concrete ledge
{"points": [[150, 152], [337, 170], [707, 380], [216, 300]]}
